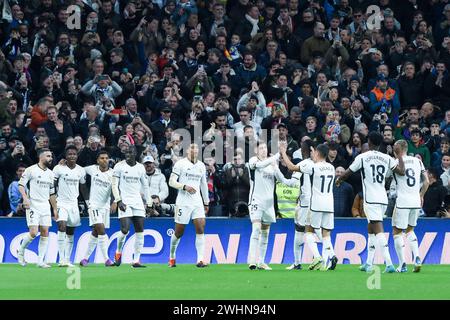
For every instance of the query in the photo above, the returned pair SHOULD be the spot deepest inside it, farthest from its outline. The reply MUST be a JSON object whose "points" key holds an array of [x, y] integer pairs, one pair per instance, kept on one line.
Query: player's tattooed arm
{"points": [[26, 200], [425, 184]]}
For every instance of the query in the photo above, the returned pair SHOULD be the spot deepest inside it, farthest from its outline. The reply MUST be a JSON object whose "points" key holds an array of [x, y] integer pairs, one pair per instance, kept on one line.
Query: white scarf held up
{"points": [[254, 23]]}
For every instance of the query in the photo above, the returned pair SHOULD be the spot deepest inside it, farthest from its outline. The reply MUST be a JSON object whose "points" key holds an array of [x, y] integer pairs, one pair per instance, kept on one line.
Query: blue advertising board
{"points": [[227, 241]]}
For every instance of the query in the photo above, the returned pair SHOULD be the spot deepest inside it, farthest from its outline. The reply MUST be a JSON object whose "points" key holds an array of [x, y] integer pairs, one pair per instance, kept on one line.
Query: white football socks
{"points": [[69, 247], [371, 245], [200, 246], [25, 242], [327, 249], [383, 247], [263, 241], [174, 241], [61, 246], [103, 245], [42, 248], [298, 246], [399, 248], [413, 243], [138, 245], [254, 241], [121, 241], [312, 245], [91, 246]]}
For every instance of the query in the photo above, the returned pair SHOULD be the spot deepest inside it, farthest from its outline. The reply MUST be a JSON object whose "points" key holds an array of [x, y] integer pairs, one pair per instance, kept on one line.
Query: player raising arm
{"points": [[303, 208], [189, 178], [321, 210], [128, 179], [36, 187], [408, 204], [263, 172], [374, 167]]}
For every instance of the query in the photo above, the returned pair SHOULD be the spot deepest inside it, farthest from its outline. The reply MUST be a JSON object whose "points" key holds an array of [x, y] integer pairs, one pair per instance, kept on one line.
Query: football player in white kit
{"points": [[321, 207], [189, 178], [301, 211], [99, 207], [36, 187], [263, 172], [375, 166], [68, 178], [129, 178], [408, 204]]}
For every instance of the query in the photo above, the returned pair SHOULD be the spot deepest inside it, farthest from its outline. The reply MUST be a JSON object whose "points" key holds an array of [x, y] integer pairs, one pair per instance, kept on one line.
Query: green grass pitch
{"points": [[219, 282]]}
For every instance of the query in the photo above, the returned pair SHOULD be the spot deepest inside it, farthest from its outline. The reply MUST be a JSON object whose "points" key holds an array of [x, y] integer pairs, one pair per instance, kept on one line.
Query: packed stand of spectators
{"points": [[137, 70]]}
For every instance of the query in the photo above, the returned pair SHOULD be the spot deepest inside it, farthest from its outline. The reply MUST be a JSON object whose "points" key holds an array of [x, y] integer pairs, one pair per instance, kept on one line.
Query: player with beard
{"points": [[36, 187]]}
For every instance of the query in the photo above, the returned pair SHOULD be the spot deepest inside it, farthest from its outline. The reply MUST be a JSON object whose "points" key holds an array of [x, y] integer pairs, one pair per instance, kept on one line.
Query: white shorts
{"points": [[70, 214], [184, 214], [265, 215], [402, 218], [131, 212], [39, 215], [97, 216], [301, 213], [374, 212], [317, 220]]}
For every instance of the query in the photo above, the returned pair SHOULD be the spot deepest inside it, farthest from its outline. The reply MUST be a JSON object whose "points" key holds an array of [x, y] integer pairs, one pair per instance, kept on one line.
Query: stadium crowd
{"points": [[135, 71]]}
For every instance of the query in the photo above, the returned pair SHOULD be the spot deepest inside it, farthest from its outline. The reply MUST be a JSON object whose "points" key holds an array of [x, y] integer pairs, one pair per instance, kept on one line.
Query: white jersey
{"points": [[322, 179], [305, 186], [131, 180], [68, 183], [100, 192], [375, 167], [39, 183], [408, 186], [262, 182], [193, 175]]}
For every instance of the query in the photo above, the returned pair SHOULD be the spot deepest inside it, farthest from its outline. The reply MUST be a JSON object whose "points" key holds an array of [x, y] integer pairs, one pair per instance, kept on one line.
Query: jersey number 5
{"points": [[179, 212]]}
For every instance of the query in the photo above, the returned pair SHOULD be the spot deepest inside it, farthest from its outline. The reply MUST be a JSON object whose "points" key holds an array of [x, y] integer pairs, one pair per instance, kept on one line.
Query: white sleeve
{"points": [[89, 169], [83, 176], [204, 188], [255, 163], [292, 182], [52, 188], [357, 163], [26, 176], [56, 171], [305, 167]]}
